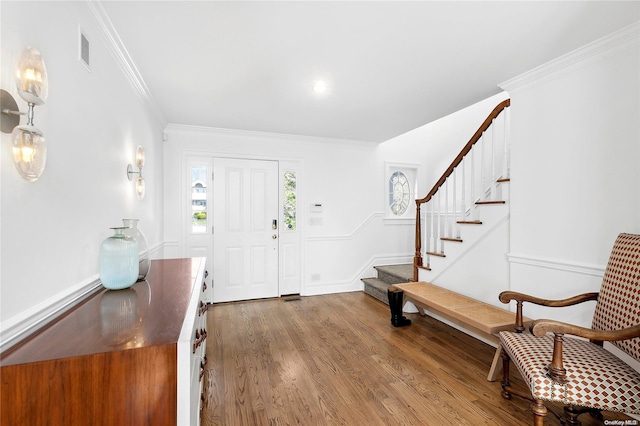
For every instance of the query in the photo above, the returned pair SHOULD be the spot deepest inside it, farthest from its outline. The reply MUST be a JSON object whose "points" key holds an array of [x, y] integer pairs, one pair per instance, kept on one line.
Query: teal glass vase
{"points": [[119, 260]]}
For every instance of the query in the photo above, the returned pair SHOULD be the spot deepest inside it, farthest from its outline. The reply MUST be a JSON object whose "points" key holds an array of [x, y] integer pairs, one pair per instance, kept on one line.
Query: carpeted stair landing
{"points": [[387, 275]]}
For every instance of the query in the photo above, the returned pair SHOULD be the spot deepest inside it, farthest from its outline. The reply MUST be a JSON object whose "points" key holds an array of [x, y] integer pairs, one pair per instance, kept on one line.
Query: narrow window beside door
{"points": [[198, 199], [290, 201]]}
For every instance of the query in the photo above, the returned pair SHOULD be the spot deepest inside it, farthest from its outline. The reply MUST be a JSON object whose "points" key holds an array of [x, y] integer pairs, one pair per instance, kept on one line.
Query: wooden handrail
{"points": [[417, 258], [475, 138]]}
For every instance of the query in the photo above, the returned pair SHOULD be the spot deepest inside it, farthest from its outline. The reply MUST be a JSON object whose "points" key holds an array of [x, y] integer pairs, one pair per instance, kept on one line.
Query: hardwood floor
{"points": [[336, 360]]}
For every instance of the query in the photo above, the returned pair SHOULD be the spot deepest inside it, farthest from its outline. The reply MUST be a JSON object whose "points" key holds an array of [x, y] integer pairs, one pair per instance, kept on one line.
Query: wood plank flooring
{"points": [[336, 360]]}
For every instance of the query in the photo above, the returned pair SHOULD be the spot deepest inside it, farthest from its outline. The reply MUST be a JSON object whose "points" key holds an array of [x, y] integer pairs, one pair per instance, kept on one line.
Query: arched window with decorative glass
{"points": [[400, 190], [399, 193]]}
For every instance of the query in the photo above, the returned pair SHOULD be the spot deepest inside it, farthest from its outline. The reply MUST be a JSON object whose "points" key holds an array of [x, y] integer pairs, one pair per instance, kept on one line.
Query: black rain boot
{"points": [[395, 305]]}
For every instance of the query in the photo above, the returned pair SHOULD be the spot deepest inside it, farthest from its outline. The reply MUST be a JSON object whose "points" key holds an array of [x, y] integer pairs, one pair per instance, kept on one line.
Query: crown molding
{"points": [[123, 59], [220, 131], [625, 38]]}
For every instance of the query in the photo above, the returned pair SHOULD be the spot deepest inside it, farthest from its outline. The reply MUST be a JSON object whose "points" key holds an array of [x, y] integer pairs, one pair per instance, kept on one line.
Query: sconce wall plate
{"points": [[9, 119]]}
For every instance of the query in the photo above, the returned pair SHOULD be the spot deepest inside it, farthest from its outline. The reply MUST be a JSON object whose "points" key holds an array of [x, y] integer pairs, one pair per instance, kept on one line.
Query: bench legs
{"points": [[395, 305]]}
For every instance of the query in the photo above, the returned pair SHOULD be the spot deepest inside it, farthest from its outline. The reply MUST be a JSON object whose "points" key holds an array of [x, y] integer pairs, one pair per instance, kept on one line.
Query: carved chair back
{"points": [[618, 303]]}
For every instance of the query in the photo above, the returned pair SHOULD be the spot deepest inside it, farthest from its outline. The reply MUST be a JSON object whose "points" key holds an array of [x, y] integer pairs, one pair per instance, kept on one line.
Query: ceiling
{"points": [[389, 66]]}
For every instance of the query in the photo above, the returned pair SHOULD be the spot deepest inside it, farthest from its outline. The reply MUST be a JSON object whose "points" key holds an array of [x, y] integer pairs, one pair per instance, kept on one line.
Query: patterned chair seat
{"points": [[595, 377], [581, 374]]}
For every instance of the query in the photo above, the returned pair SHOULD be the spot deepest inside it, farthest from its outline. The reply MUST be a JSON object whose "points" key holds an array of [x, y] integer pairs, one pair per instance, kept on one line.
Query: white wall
{"points": [[575, 181], [346, 177], [52, 229]]}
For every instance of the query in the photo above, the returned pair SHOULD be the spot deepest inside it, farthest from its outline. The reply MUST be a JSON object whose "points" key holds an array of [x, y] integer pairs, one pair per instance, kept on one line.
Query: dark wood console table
{"points": [[125, 357]]}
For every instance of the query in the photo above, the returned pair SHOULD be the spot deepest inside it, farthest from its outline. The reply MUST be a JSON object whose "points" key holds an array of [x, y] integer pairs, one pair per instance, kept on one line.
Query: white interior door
{"points": [[245, 229]]}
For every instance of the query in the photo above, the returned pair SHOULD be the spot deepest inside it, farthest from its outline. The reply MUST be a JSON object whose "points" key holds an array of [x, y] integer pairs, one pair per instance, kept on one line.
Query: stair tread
{"points": [[490, 202], [375, 282], [398, 273], [470, 222], [433, 253], [456, 240]]}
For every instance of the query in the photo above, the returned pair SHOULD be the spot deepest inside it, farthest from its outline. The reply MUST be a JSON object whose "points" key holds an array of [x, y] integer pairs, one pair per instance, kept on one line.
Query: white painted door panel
{"points": [[245, 244]]}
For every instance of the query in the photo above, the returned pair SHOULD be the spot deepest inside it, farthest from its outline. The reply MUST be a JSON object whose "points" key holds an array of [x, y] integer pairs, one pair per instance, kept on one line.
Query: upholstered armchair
{"points": [[580, 373]]}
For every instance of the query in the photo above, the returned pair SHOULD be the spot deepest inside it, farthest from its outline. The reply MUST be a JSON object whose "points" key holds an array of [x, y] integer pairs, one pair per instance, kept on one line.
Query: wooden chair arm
{"points": [[508, 296], [556, 368], [541, 327]]}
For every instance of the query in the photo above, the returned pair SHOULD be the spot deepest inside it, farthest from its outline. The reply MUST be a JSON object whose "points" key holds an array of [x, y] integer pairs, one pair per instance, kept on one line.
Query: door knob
{"points": [[274, 236]]}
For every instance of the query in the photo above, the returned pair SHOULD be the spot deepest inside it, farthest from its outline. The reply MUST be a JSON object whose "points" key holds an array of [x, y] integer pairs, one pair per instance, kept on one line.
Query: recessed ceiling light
{"points": [[320, 87]]}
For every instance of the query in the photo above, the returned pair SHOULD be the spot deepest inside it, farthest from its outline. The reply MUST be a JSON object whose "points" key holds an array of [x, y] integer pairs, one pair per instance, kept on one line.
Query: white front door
{"points": [[245, 229]]}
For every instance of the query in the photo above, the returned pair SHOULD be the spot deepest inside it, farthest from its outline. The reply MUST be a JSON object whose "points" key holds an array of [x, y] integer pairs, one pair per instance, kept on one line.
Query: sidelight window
{"points": [[290, 204], [198, 199]]}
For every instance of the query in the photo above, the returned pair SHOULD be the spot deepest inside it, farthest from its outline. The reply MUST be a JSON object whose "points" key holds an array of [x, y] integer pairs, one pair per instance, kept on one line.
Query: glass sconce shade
{"points": [[31, 80], [29, 151], [140, 157], [140, 184], [140, 187]]}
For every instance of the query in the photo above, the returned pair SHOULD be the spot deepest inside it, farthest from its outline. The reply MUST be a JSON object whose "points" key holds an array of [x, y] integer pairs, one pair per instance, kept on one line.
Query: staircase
{"points": [[387, 275], [462, 224], [467, 206], [476, 257]]}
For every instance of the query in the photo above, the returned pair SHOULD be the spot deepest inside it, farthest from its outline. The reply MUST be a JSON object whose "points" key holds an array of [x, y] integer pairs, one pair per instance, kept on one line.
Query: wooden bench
{"points": [[482, 318]]}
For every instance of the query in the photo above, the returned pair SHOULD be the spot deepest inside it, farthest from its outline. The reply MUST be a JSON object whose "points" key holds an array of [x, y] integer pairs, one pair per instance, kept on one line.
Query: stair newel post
{"points": [[494, 177], [417, 258]]}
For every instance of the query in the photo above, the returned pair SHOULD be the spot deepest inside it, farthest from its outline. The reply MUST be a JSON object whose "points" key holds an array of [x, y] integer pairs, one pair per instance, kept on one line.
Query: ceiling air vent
{"points": [[83, 49]]}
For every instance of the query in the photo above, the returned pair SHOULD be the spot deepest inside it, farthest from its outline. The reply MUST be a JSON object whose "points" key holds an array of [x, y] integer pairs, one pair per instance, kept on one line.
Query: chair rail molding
{"points": [[20, 326], [558, 264]]}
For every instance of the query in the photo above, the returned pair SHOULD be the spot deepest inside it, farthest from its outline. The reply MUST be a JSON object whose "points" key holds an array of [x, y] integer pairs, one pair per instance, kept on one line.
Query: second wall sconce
{"points": [[140, 185], [29, 145]]}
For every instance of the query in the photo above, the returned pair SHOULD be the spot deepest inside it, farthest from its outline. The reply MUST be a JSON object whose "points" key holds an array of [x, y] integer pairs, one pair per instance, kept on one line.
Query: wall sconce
{"points": [[29, 145], [140, 185]]}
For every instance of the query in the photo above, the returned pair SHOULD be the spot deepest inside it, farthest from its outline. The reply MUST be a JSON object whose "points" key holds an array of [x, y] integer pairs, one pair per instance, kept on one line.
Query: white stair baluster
{"points": [[424, 224], [505, 161], [472, 184], [494, 177], [454, 215], [434, 221], [463, 187], [440, 224], [447, 220], [426, 235], [483, 180]]}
